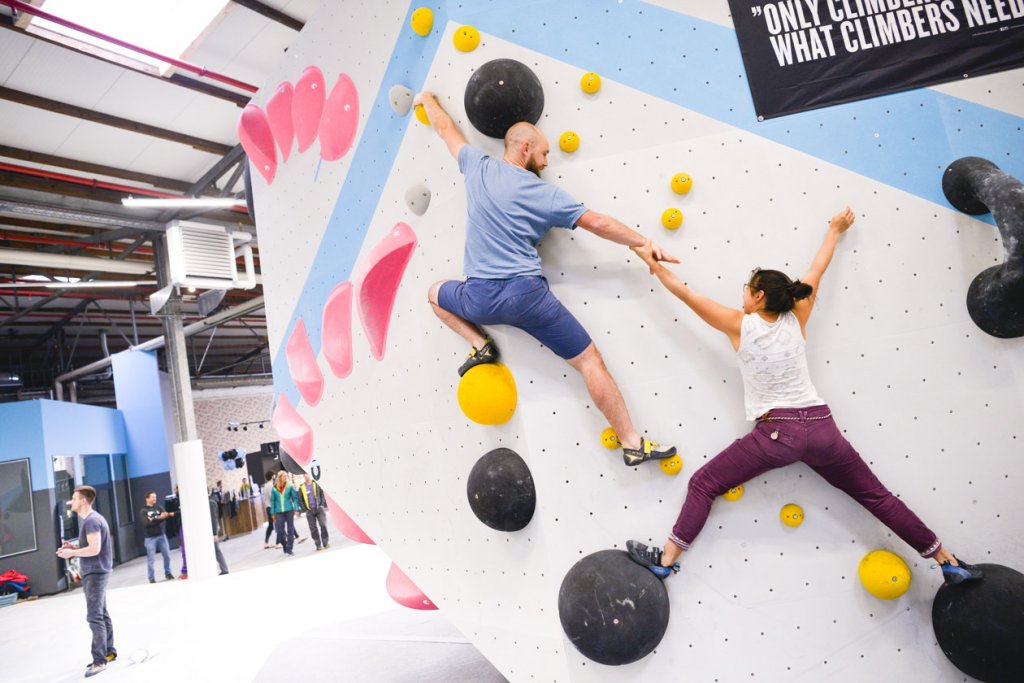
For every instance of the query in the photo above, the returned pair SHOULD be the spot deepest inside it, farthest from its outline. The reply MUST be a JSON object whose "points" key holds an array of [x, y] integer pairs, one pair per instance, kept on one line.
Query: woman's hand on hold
{"points": [[418, 99], [842, 221]]}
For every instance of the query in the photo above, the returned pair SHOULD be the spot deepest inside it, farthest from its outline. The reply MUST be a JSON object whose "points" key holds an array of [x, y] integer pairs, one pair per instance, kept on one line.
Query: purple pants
{"points": [[809, 435]]}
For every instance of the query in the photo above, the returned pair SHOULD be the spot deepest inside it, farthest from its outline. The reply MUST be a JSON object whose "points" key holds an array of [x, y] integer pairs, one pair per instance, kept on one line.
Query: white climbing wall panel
{"points": [[930, 401]]}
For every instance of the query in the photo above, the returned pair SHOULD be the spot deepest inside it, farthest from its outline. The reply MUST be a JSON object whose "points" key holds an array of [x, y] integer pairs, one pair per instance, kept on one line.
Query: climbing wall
{"points": [[931, 402]]}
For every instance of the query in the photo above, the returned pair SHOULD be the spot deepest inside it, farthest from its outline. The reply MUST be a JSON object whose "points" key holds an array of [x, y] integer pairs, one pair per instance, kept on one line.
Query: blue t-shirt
{"points": [[509, 210], [104, 562]]}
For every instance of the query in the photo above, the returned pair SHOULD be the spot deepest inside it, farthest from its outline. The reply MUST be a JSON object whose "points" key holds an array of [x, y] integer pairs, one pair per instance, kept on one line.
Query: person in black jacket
{"points": [[313, 503], [153, 516]]}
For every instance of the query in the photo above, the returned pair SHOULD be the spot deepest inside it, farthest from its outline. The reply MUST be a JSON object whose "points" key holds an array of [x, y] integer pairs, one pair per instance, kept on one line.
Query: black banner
{"points": [[805, 54]]}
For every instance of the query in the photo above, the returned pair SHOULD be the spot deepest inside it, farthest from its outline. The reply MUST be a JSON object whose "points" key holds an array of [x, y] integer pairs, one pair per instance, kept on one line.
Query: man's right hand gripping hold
{"points": [[509, 210]]}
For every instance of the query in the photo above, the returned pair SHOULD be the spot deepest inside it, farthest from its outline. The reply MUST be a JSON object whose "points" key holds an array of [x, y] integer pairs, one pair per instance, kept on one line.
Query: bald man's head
{"points": [[527, 147]]}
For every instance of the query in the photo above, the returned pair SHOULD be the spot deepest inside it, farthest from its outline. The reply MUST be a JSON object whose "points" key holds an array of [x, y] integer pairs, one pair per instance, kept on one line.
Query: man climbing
{"points": [[510, 208]]}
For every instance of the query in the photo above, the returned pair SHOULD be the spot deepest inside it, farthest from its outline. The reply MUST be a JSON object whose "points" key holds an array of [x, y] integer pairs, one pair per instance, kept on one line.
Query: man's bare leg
{"points": [[606, 394], [465, 329]]}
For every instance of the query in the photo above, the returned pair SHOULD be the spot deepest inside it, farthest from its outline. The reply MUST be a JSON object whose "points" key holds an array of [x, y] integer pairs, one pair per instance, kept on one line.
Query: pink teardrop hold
{"points": [[345, 524], [377, 285], [302, 365], [258, 141], [336, 338], [295, 433], [403, 591], [308, 106], [340, 120], [279, 113]]}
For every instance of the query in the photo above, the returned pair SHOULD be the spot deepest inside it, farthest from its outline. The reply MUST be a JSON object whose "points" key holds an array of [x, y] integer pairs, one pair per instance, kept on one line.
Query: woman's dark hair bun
{"points": [[800, 290], [780, 293]]}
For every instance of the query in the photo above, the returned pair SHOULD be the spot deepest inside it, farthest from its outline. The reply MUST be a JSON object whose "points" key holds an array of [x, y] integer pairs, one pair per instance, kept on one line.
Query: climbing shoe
{"points": [[648, 450], [94, 669], [957, 574], [650, 557], [111, 656], [488, 353]]}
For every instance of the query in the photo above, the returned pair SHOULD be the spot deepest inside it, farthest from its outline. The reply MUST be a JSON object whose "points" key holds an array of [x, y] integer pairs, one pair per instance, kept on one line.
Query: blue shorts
{"points": [[525, 302]]}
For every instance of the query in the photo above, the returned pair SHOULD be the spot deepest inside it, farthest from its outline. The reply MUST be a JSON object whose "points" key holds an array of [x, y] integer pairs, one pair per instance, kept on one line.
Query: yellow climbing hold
{"points": [[466, 38], [681, 183], [672, 218], [422, 20], [735, 493], [791, 514], [569, 141], [673, 465], [884, 574], [421, 114], [590, 82], [609, 439], [487, 394]]}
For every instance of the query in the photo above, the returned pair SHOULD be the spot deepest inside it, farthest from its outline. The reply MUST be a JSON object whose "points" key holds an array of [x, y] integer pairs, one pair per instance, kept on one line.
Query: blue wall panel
{"points": [[137, 387], [21, 436]]}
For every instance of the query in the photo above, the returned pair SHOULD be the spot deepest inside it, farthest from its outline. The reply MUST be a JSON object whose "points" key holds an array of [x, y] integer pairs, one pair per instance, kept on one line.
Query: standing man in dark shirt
{"points": [[96, 564], [314, 504], [154, 516]]}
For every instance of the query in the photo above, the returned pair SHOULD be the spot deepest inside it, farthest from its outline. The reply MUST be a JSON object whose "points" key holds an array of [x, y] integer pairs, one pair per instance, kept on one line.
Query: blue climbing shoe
{"points": [[957, 574], [488, 353], [649, 557]]}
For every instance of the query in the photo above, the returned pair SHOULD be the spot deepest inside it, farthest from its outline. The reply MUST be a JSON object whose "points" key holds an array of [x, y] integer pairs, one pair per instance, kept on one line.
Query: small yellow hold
{"points": [[609, 439], [590, 82], [421, 114], [466, 38], [672, 218], [422, 20], [884, 574], [569, 142], [487, 394], [735, 493], [791, 514], [673, 465], [681, 183]]}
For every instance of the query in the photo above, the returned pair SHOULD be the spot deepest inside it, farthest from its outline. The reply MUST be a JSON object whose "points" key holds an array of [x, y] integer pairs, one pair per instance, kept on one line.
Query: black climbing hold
{"points": [[995, 299], [501, 491], [289, 465], [500, 93], [979, 624], [248, 189], [612, 610]]}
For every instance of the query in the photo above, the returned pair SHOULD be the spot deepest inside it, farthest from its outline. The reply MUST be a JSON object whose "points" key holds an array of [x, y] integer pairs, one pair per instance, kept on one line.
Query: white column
{"points": [[195, 509]]}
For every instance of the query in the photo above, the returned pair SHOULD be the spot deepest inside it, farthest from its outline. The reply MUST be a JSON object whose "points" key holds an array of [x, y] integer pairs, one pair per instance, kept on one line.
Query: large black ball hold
{"points": [[980, 624], [613, 610], [501, 93], [501, 491]]}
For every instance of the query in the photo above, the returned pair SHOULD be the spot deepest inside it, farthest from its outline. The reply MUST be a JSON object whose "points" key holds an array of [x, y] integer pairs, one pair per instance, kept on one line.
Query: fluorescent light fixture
{"points": [[92, 284], [182, 203]]}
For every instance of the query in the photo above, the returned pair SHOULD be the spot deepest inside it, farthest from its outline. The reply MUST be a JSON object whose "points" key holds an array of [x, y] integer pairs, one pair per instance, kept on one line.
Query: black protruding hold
{"points": [[501, 491], [501, 93], [289, 465], [248, 189], [995, 298], [613, 610], [979, 624]]}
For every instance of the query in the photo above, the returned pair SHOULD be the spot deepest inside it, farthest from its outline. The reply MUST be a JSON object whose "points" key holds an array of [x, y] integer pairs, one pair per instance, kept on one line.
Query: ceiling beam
{"points": [[271, 13], [93, 52], [88, 167], [85, 114]]}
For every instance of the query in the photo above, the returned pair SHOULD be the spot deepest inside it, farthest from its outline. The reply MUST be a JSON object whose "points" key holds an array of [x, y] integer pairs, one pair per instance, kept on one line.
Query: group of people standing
{"points": [[284, 502]]}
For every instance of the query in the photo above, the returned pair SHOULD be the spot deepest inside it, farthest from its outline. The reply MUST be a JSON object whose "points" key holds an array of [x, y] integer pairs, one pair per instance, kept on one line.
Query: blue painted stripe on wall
{"points": [[21, 436], [904, 140]]}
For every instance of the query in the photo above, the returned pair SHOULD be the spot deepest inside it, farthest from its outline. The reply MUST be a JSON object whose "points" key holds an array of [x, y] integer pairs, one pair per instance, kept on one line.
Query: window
{"points": [[17, 516], [122, 490]]}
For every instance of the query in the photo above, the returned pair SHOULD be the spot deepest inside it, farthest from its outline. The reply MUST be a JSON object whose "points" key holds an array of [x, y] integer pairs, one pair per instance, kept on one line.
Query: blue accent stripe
{"points": [[904, 140]]}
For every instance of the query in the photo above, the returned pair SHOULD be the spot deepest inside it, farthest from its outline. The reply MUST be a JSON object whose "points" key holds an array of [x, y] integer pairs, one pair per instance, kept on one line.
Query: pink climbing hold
{"points": [[378, 284], [336, 339], [345, 524], [279, 113], [308, 106], [295, 433], [340, 119], [302, 365], [258, 141], [403, 591]]}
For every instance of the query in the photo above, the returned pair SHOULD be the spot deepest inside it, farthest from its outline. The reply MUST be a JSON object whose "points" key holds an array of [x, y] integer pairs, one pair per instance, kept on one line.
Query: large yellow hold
{"points": [[884, 574], [791, 514], [487, 394], [422, 20], [735, 493], [590, 83], [421, 114], [466, 38]]}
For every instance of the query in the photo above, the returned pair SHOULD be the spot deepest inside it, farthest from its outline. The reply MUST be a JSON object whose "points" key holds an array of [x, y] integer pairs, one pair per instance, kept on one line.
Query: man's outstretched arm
{"points": [[442, 122], [616, 231]]}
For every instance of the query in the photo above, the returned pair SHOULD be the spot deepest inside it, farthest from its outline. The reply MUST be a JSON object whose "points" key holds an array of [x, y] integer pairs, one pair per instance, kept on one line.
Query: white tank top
{"points": [[773, 362]]}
